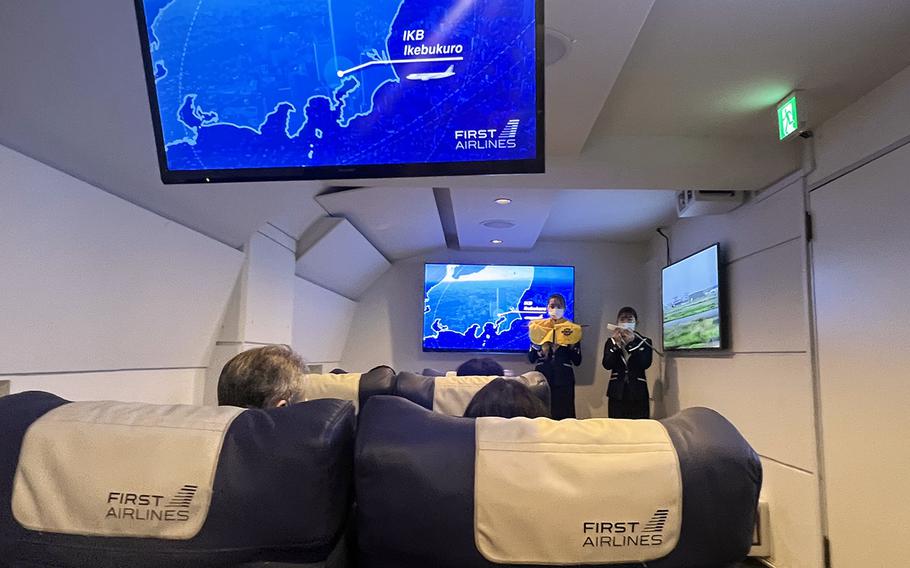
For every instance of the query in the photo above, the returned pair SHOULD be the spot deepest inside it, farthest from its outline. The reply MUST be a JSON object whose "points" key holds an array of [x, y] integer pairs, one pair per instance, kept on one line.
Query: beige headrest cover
{"points": [[120, 469], [575, 491]]}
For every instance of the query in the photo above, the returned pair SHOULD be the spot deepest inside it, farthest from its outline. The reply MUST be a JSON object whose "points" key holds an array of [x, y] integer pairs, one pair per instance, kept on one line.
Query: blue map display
{"points": [[246, 84], [474, 307]]}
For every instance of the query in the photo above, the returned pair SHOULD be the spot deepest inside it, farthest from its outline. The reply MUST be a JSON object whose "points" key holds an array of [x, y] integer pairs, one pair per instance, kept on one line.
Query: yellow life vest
{"points": [[546, 331]]}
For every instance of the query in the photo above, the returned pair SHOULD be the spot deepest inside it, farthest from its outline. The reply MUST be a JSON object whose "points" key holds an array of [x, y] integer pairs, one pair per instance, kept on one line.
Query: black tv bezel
{"points": [[721, 301], [423, 293], [534, 165]]}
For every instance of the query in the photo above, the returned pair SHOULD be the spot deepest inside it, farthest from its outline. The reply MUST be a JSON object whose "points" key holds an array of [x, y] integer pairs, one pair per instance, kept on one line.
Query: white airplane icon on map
{"points": [[429, 76]]}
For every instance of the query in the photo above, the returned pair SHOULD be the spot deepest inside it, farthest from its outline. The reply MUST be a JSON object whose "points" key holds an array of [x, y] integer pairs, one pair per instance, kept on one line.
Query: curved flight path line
{"points": [[342, 73]]}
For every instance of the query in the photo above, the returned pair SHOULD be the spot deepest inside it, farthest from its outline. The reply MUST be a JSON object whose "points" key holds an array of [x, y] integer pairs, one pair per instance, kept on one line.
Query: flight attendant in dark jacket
{"points": [[627, 354], [556, 362]]}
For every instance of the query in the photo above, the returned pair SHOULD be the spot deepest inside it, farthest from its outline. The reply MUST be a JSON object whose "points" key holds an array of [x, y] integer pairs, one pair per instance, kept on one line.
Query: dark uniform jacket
{"points": [[557, 368], [627, 379]]}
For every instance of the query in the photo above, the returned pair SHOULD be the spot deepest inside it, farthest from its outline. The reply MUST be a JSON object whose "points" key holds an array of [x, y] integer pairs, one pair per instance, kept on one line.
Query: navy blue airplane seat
{"points": [[356, 387], [430, 372], [451, 394], [450, 492], [127, 484]]}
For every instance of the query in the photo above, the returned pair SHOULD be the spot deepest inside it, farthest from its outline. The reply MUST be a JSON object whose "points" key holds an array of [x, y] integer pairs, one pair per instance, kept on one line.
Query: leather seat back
{"points": [[451, 394], [355, 387], [122, 484], [436, 490]]}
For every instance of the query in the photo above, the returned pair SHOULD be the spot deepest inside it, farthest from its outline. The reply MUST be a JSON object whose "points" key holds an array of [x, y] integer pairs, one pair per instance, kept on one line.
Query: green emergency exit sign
{"points": [[787, 117]]}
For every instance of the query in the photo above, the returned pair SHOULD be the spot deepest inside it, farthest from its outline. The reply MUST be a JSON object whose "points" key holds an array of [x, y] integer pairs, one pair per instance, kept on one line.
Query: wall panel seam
{"points": [[730, 354], [787, 465], [766, 249], [864, 161], [784, 182], [282, 231], [282, 245], [65, 172], [91, 371]]}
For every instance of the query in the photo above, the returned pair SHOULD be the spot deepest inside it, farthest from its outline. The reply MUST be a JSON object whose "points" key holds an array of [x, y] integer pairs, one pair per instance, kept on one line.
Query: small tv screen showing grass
{"points": [[691, 294]]}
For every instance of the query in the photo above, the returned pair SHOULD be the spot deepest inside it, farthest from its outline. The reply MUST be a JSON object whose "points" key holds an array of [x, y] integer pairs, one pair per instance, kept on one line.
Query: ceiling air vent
{"points": [[693, 202], [498, 224]]}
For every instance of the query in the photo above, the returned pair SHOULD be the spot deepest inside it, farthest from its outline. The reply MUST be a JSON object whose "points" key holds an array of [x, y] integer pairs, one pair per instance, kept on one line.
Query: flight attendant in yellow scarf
{"points": [[555, 349]]}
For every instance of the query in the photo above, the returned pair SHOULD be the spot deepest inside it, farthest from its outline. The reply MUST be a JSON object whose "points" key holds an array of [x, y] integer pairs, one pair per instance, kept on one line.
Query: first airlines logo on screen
{"points": [[488, 138]]}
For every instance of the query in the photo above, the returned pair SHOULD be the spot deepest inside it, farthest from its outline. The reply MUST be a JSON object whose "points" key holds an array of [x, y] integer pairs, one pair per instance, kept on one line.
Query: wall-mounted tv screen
{"points": [[486, 307], [245, 90], [692, 303]]}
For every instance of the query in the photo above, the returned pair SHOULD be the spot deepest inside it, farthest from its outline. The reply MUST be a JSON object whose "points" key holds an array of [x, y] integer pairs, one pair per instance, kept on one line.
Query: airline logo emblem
{"points": [[126, 505], [511, 130], [618, 534], [489, 138]]}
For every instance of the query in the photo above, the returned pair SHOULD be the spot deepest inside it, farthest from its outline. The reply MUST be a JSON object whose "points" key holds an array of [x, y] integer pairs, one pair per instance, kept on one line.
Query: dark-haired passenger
{"points": [[264, 377], [506, 398], [480, 366]]}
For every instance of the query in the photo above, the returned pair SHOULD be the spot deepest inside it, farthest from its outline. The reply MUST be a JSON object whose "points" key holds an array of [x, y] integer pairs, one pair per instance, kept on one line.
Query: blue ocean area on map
{"points": [[487, 308], [289, 83]]}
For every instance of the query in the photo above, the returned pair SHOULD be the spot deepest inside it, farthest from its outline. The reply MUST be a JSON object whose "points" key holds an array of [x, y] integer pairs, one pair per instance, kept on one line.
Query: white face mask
{"points": [[556, 313], [630, 325]]}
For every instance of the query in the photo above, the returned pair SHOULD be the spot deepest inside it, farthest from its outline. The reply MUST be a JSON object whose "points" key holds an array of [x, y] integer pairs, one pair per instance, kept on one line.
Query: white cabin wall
{"points": [[101, 298], [767, 385], [860, 258], [764, 383], [322, 321], [877, 120], [271, 305]]}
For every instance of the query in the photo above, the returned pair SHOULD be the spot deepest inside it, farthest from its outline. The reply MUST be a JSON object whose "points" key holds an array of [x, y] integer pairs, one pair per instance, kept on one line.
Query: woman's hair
{"points": [[483, 366], [627, 310], [260, 378], [559, 297], [507, 398]]}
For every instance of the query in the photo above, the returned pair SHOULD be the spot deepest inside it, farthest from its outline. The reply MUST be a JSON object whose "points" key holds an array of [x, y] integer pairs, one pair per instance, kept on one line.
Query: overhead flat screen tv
{"points": [[487, 307], [693, 303], [245, 90]]}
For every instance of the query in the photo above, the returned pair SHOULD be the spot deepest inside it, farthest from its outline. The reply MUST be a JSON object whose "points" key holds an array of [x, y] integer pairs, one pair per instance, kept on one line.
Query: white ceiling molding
{"points": [[399, 221], [578, 86], [334, 255]]}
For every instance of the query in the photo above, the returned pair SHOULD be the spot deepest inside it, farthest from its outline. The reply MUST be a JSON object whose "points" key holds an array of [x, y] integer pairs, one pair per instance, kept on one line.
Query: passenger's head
{"points": [[556, 306], [507, 398], [627, 315], [260, 378], [483, 366]]}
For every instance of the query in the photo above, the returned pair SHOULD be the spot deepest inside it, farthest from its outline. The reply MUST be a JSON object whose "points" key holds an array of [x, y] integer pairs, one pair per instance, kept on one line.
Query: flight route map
{"points": [[471, 307], [291, 83]]}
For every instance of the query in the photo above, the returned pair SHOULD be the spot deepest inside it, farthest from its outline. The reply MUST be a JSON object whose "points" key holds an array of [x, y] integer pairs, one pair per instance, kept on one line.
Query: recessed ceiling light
{"points": [[503, 201], [496, 242]]}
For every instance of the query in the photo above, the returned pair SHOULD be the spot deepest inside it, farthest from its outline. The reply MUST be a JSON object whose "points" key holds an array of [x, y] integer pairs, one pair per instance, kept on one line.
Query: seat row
{"points": [[446, 394], [407, 482]]}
